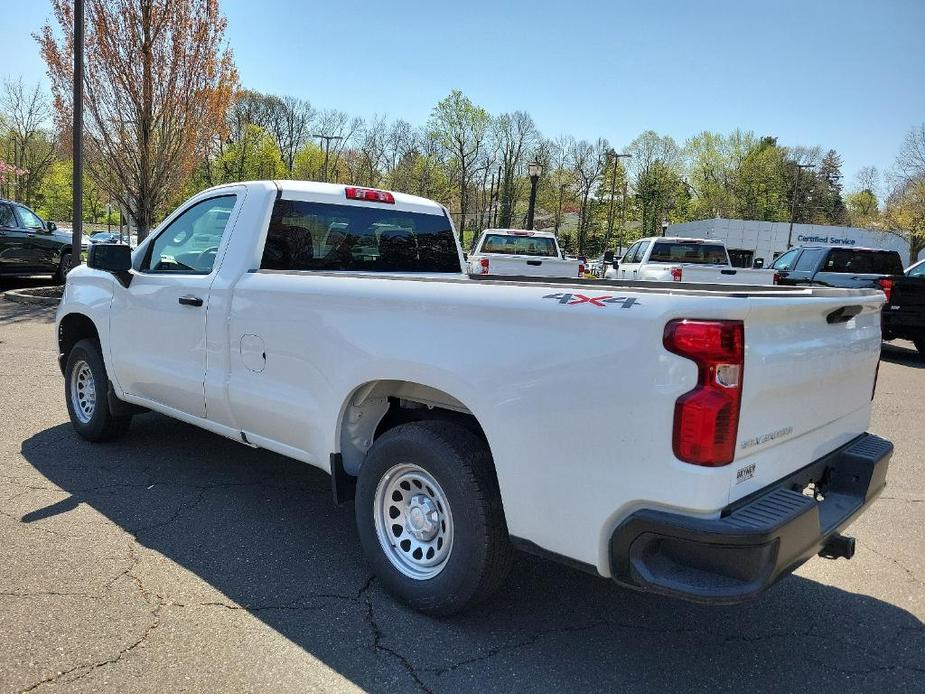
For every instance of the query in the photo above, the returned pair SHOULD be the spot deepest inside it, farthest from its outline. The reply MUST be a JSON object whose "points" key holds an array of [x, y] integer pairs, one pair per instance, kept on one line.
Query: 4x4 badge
{"points": [[599, 301]]}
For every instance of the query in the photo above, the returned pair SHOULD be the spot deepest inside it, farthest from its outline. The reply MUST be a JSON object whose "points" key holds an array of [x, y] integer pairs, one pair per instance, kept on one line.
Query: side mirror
{"points": [[759, 263], [608, 256], [51, 226], [115, 258]]}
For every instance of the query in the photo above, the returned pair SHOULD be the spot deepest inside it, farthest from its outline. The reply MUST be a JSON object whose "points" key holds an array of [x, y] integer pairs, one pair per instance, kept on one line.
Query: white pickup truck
{"points": [[521, 253], [676, 259], [336, 325]]}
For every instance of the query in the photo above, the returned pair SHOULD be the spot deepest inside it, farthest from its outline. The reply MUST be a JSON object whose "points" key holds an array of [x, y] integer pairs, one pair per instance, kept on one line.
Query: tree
{"points": [[904, 215], [30, 148], [460, 128], [515, 134], [157, 89], [657, 163], [588, 162]]}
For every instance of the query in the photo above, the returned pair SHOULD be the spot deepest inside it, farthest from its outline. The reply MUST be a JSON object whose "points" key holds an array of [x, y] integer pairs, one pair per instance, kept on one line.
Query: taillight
{"points": [[886, 285], [483, 264], [581, 269], [706, 419], [776, 278], [676, 274], [369, 195]]}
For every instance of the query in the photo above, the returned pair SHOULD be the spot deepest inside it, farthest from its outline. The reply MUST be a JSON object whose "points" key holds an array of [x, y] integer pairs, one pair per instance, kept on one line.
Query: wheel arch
{"points": [[72, 328], [374, 407]]}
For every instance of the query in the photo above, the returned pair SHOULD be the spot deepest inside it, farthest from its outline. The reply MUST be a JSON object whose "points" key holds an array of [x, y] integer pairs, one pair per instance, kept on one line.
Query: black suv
{"points": [[855, 268], [31, 246]]}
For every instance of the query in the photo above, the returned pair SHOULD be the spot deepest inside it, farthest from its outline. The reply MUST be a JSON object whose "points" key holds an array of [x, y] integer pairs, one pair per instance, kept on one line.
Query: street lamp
{"points": [[793, 205], [535, 170]]}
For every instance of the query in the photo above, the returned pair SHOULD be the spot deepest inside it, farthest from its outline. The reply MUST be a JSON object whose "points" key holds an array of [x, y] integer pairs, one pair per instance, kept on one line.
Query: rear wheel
{"points": [[86, 389], [429, 517], [64, 267]]}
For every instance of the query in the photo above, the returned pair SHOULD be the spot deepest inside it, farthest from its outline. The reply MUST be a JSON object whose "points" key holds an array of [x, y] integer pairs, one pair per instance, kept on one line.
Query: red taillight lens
{"points": [[676, 274], [369, 195], [581, 269], [886, 285], [776, 278], [706, 419], [483, 263]]}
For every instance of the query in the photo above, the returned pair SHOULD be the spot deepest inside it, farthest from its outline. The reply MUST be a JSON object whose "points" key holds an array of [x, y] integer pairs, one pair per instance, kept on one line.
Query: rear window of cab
{"points": [[325, 237], [708, 254], [520, 245]]}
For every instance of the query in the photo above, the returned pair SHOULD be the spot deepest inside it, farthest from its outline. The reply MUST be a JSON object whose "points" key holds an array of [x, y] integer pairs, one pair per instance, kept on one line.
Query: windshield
{"points": [[520, 245], [675, 252]]}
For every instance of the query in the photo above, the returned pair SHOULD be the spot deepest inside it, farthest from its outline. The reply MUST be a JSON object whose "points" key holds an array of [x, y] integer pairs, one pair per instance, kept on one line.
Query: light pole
{"points": [[613, 190], [77, 136], [535, 169], [327, 148], [793, 205]]}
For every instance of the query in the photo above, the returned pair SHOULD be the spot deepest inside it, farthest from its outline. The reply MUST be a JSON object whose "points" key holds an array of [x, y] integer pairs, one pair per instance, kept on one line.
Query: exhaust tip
{"points": [[838, 546]]}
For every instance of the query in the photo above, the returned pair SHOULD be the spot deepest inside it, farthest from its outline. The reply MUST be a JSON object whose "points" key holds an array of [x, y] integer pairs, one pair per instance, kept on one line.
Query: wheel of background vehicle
{"points": [[920, 345], [86, 388], [64, 267], [429, 517]]}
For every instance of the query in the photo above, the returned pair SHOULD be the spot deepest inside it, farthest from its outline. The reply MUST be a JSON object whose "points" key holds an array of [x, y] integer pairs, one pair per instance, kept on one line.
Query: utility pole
{"points": [[326, 139], [793, 205], [613, 191], [77, 136]]}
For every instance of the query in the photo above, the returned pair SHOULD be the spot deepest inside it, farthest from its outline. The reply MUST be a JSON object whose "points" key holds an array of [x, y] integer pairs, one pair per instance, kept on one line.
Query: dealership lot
{"points": [[178, 560]]}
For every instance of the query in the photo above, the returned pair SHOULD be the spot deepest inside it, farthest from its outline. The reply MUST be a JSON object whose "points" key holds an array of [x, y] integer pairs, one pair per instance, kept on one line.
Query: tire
{"points": [[448, 470], [64, 267], [86, 387]]}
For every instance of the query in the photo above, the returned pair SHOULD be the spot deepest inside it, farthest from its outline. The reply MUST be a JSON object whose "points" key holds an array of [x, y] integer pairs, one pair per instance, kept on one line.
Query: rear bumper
{"points": [[756, 540]]}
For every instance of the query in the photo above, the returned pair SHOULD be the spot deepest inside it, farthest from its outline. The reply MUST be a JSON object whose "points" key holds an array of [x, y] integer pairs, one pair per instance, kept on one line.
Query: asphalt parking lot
{"points": [[176, 560]]}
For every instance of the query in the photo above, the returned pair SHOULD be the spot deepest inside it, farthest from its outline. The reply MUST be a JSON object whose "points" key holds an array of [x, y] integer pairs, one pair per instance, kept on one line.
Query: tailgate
{"points": [[907, 300], [808, 380]]}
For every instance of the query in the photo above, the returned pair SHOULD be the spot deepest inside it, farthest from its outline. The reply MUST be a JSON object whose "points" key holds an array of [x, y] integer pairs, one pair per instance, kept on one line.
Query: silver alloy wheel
{"points": [[83, 391], [413, 521]]}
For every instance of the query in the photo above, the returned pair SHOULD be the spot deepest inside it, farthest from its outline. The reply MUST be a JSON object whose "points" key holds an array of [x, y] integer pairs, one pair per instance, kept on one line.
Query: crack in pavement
{"points": [[898, 563]]}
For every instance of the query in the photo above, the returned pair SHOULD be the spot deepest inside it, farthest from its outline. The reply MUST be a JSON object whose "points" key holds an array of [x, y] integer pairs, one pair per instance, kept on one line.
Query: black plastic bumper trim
{"points": [[756, 540]]}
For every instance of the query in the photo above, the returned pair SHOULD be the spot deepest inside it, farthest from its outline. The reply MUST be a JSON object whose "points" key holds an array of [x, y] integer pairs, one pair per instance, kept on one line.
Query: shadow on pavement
{"points": [[900, 354], [263, 531]]}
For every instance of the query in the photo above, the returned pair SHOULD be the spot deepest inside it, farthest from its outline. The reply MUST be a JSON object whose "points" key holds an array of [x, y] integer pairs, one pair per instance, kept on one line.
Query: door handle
{"points": [[534, 262], [190, 300]]}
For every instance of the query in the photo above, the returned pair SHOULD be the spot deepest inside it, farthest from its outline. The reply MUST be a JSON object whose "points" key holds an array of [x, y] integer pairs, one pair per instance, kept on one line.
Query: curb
{"points": [[24, 296]]}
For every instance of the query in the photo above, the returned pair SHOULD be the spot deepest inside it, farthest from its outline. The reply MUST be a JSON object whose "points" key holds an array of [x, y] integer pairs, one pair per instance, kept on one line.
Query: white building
{"points": [[749, 240]]}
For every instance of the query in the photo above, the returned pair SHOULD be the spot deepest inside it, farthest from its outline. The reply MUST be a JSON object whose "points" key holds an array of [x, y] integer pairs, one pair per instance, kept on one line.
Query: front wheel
{"points": [[86, 387], [429, 517]]}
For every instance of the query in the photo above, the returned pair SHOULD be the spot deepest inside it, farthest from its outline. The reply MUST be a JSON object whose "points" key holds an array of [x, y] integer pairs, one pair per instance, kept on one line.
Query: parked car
{"points": [[31, 246], [852, 267], [517, 252], [337, 326], [676, 259]]}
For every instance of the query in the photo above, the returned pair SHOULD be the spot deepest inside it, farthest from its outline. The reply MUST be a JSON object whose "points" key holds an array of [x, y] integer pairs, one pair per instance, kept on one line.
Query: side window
{"points": [[6, 216], [326, 237], [809, 260], [641, 251], [787, 260], [630, 254], [29, 219], [190, 244], [918, 270]]}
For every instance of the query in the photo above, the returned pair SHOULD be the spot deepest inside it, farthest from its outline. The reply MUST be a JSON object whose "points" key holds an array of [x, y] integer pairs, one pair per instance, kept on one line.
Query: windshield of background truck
{"points": [[520, 245], [707, 254]]}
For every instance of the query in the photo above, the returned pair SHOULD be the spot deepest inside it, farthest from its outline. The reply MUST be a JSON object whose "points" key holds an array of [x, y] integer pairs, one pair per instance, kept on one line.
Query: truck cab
{"points": [[520, 252]]}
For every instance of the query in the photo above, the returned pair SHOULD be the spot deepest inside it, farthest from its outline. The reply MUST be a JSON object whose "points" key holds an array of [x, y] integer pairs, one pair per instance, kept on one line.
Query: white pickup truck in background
{"points": [[675, 259], [336, 326], [517, 252]]}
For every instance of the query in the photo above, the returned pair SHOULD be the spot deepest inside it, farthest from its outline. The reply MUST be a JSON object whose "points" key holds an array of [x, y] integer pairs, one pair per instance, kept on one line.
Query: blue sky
{"points": [[843, 74]]}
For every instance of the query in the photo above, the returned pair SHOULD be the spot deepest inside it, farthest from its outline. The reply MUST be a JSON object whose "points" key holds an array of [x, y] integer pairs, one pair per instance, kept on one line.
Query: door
{"points": [[784, 265], [12, 240], [158, 323], [805, 267], [626, 263], [39, 246]]}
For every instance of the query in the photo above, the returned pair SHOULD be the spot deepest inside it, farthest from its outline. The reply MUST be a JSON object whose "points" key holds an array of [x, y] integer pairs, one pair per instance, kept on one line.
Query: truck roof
{"points": [[683, 239], [520, 232], [334, 193], [847, 248]]}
